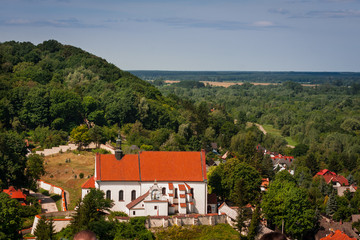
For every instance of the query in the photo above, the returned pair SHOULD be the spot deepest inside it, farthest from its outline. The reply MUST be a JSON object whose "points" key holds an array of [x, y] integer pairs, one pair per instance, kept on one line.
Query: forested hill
{"points": [[59, 86]]}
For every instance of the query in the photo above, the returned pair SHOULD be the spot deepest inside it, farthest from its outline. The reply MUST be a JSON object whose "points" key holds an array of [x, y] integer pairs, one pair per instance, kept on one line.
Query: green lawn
{"points": [[277, 132]]}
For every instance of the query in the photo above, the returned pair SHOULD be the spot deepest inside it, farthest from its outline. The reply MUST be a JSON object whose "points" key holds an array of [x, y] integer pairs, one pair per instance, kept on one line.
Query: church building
{"points": [[152, 183]]}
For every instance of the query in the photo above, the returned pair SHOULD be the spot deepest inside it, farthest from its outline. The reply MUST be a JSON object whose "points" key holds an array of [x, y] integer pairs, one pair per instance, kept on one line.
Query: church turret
{"points": [[118, 152]]}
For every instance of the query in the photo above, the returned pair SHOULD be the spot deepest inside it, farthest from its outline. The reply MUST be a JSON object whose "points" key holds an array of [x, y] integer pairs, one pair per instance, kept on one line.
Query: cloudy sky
{"points": [[241, 35]]}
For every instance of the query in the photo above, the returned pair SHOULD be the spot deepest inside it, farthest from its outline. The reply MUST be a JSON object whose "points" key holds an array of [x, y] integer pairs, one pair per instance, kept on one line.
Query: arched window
{"points": [[121, 195], [108, 194], [163, 191], [133, 195]]}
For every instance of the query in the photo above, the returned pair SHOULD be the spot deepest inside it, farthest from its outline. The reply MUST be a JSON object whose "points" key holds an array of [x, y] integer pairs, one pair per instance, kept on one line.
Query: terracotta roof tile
{"points": [[151, 165], [90, 183], [337, 235], [138, 200], [13, 193]]}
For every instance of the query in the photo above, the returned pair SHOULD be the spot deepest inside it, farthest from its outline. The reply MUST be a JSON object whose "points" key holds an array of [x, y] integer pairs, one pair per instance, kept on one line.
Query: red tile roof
{"points": [[138, 200], [90, 183], [332, 177], [337, 235], [182, 187], [148, 166], [13, 193], [171, 186]]}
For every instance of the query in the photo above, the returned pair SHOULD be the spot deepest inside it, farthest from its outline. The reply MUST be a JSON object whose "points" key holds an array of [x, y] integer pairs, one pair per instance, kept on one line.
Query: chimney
{"points": [[118, 152]]}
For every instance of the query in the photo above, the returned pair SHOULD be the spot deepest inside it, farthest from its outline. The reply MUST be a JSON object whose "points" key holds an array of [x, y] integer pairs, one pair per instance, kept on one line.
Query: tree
{"points": [[285, 203], [96, 135], [34, 169], [80, 135], [12, 159], [254, 224], [45, 229], [10, 217], [240, 181], [90, 210]]}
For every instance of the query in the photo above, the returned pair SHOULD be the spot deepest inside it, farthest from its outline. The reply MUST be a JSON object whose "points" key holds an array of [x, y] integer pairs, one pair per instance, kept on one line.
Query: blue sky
{"points": [[242, 35]]}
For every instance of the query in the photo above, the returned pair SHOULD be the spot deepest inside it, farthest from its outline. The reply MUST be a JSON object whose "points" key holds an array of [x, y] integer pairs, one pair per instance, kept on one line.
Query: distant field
{"points": [[228, 84], [63, 174]]}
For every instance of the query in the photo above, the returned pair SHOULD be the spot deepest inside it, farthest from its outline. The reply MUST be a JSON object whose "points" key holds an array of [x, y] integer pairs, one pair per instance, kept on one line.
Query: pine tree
{"points": [[255, 220], [331, 205], [45, 230]]}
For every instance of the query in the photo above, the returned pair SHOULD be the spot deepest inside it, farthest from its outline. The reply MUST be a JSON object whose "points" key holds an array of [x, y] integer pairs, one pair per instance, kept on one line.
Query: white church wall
{"points": [[156, 208], [115, 187]]}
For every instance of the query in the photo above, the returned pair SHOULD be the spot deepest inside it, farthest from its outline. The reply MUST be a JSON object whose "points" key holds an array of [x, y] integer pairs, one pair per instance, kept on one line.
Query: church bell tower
{"points": [[118, 152]]}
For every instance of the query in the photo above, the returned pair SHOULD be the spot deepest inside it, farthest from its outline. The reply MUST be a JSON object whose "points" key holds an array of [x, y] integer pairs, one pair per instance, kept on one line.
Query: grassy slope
{"points": [[271, 130], [63, 174]]}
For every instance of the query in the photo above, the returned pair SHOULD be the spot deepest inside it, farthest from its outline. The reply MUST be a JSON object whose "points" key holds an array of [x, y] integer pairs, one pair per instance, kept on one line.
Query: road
{"points": [[47, 203]]}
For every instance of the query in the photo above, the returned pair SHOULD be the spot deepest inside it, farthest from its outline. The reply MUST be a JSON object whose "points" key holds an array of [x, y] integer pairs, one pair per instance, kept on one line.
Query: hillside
{"points": [[58, 85]]}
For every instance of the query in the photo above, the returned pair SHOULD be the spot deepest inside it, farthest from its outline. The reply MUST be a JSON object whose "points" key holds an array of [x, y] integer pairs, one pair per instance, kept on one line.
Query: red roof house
{"points": [[332, 177], [337, 235], [16, 194]]}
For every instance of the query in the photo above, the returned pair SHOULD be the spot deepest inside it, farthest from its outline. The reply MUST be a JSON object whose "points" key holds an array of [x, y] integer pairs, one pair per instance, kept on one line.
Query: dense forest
{"points": [[244, 76]]}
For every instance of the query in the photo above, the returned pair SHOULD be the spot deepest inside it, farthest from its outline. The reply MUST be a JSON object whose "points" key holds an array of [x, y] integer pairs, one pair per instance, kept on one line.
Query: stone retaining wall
{"points": [[54, 189]]}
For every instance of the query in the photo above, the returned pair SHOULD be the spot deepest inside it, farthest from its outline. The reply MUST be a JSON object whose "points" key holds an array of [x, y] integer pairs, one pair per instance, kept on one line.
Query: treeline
{"points": [[246, 76]]}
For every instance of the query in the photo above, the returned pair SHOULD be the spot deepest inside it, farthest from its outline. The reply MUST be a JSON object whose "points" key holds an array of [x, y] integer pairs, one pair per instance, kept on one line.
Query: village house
{"points": [[340, 183], [152, 183], [16, 194]]}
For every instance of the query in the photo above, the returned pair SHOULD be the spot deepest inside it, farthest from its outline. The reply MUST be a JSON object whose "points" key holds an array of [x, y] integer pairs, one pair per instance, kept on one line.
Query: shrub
{"points": [[81, 175]]}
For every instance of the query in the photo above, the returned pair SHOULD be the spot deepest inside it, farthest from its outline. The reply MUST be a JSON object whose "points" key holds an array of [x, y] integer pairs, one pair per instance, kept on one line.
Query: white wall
{"points": [[115, 187], [199, 198], [162, 208]]}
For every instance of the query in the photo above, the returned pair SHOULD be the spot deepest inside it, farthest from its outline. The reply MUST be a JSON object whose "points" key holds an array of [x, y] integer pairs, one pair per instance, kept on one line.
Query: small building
{"points": [[16, 194], [264, 184], [212, 203]]}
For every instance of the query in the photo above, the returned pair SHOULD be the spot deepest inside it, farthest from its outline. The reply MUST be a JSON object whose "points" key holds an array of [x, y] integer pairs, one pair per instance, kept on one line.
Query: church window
{"points": [[163, 191], [134, 213], [108, 194], [121, 195], [133, 195], [155, 207], [176, 193]]}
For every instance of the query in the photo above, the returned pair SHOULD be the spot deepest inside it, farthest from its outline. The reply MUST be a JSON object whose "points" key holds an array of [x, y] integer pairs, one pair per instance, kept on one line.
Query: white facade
{"points": [[186, 193], [194, 204]]}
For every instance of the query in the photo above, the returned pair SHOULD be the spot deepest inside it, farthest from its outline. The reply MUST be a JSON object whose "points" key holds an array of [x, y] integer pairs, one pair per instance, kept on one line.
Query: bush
{"points": [[114, 214], [45, 192], [101, 151], [81, 175]]}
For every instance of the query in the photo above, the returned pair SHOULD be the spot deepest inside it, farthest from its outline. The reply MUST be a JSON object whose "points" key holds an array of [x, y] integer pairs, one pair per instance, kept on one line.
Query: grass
{"points": [[273, 131], [58, 200], [62, 174]]}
